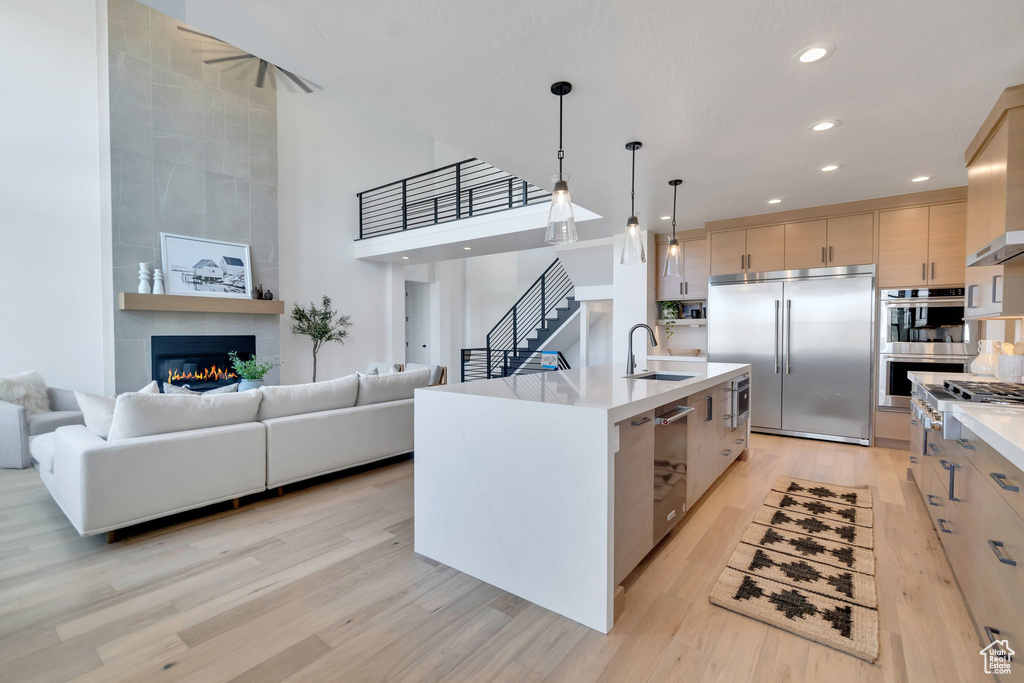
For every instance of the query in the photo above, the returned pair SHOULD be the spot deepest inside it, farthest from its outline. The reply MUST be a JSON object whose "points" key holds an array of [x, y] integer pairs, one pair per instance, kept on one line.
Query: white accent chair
{"points": [[17, 425]]}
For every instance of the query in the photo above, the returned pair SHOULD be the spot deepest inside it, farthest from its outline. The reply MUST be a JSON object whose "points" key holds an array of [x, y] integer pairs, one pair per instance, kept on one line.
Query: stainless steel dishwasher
{"points": [[669, 467]]}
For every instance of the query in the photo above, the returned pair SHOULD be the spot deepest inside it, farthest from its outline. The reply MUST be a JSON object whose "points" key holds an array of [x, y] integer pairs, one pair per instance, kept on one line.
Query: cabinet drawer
{"points": [[1001, 476], [937, 501], [733, 443]]}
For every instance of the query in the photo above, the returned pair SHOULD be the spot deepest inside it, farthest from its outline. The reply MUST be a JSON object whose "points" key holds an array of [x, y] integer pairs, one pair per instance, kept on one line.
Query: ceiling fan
{"points": [[262, 65]]}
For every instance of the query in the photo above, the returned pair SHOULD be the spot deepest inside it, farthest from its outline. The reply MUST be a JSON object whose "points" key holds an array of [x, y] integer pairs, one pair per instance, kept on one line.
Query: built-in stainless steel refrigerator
{"points": [[808, 336]]}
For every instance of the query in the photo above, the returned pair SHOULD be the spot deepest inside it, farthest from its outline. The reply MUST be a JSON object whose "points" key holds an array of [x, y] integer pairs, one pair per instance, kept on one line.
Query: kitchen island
{"points": [[544, 485]]}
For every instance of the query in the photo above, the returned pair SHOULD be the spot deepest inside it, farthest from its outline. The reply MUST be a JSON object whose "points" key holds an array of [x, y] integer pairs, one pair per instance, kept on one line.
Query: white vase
{"points": [[158, 281], [144, 279]]}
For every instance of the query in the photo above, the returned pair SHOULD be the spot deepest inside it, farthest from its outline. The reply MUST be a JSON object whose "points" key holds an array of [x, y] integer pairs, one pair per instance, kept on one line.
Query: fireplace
{"points": [[199, 362]]}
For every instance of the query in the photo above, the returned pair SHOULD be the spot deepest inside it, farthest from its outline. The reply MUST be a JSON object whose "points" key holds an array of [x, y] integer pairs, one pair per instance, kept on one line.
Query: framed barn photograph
{"points": [[195, 266]]}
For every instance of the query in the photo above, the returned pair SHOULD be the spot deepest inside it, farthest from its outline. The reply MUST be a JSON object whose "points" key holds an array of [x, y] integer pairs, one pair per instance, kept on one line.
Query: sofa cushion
{"points": [[41, 448], [435, 371], [27, 390], [148, 414], [391, 387], [185, 391], [42, 423], [98, 411], [295, 399]]}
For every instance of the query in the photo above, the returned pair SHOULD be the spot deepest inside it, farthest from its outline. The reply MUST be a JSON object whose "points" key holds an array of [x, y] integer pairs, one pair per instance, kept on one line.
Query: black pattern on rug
{"points": [[805, 565]]}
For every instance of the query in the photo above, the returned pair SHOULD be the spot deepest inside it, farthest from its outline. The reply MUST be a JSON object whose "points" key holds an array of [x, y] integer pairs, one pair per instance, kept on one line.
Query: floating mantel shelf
{"points": [[130, 301]]}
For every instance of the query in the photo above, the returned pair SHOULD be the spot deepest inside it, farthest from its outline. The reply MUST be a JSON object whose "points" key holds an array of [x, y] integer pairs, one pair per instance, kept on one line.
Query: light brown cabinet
{"points": [[922, 246], [843, 241], [753, 250], [634, 493], [692, 283]]}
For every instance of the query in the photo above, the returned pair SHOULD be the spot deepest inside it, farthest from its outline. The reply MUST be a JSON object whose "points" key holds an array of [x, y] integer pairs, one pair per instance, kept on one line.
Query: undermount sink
{"points": [[662, 376]]}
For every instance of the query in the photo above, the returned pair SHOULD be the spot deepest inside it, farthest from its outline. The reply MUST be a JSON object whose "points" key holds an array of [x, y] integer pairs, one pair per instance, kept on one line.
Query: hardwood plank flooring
{"points": [[323, 585]]}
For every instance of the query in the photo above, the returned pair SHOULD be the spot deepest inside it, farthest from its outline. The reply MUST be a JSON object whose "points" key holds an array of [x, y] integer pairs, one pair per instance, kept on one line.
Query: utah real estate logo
{"points": [[998, 657]]}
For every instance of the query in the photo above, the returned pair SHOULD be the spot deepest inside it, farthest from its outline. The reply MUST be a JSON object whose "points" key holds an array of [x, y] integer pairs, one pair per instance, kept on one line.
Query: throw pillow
{"points": [[296, 399], [391, 387], [171, 389], [138, 415], [435, 371], [27, 390], [98, 411]]}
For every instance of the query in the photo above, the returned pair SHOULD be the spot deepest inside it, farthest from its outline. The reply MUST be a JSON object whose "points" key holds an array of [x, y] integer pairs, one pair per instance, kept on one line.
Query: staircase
{"points": [[514, 344]]}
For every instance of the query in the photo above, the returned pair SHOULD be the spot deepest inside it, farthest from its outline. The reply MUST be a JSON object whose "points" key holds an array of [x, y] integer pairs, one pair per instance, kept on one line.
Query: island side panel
{"points": [[518, 494]]}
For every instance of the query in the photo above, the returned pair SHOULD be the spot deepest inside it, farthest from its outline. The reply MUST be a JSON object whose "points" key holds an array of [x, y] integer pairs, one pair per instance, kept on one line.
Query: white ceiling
{"points": [[710, 87]]}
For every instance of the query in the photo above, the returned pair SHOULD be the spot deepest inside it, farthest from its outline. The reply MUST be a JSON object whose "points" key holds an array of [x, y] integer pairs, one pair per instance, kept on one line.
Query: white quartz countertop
{"points": [[602, 387], [999, 427], [939, 377]]}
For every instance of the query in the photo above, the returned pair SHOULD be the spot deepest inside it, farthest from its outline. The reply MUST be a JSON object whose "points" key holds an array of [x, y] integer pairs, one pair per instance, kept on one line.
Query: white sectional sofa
{"points": [[296, 432]]}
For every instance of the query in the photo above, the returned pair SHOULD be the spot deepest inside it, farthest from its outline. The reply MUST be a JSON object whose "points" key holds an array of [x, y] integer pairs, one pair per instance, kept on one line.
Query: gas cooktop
{"points": [[1000, 393]]}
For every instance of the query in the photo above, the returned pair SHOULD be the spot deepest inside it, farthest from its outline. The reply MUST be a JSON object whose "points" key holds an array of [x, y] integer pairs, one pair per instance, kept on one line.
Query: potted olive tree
{"points": [[251, 371], [321, 323]]}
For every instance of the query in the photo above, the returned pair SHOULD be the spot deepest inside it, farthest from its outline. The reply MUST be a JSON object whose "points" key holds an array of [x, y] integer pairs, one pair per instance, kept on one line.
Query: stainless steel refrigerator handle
{"points": [[777, 302], [679, 413], [789, 334]]}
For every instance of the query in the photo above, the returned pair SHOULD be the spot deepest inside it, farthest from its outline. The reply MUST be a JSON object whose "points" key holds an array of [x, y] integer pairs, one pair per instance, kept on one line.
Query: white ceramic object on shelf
{"points": [[987, 361], [158, 281], [144, 287]]}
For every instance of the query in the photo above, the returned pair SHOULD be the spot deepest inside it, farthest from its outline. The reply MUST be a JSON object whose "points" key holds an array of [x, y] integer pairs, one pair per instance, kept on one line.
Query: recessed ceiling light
{"points": [[920, 178], [405, 258], [830, 168], [468, 248], [821, 126], [775, 201], [814, 53], [666, 218]]}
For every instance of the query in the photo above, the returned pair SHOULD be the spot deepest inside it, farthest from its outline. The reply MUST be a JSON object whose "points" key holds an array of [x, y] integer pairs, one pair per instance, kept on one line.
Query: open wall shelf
{"points": [[131, 301]]}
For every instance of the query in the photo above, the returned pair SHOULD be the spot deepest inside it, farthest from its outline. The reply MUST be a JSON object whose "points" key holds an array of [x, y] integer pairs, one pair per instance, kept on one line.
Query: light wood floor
{"points": [[323, 585]]}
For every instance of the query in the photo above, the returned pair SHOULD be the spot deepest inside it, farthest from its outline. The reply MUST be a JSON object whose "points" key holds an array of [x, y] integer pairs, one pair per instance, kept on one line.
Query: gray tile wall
{"points": [[194, 152]]}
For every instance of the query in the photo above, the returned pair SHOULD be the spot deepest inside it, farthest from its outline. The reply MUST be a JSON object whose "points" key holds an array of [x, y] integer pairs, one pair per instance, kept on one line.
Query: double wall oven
{"points": [[922, 330]]}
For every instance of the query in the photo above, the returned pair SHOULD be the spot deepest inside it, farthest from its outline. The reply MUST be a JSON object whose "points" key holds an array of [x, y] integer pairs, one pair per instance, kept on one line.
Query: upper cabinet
{"points": [[755, 250], [922, 246], [844, 241], [692, 283]]}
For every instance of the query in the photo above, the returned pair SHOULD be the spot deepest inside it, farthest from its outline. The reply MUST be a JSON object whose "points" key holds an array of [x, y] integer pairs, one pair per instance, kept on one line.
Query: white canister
{"points": [[987, 361], [1011, 368]]}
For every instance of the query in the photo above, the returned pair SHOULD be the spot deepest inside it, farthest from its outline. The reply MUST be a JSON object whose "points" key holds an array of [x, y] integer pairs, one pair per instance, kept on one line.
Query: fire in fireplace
{"points": [[198, 362]]}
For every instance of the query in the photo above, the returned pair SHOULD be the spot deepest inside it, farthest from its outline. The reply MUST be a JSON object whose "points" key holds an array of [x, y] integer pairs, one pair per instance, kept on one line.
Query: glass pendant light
{"points": [[673, 264], [561, 224], [633, 246]]}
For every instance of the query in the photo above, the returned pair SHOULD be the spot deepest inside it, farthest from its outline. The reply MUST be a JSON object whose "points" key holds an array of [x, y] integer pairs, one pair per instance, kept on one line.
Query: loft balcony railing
{"points": [[450, 193]]}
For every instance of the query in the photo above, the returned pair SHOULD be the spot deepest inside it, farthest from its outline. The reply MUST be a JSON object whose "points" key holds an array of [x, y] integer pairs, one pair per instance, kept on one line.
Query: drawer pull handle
{"points": [[949, 466], [965, 444], [932, 502], [913, 459], [932, 447], [942, 526], [1001, 480], [641, 422], [727, 452], [914, 422], [992, 634], [739, 441], [997, 547]]}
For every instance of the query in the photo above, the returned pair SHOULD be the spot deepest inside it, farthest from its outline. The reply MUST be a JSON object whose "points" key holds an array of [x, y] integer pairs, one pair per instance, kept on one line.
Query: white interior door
{"points": [[417, 323]]}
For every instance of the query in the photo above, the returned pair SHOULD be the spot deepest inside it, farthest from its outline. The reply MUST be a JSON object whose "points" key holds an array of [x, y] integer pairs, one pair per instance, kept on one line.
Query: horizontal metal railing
{"points": [[460, 190], [489, 363]]}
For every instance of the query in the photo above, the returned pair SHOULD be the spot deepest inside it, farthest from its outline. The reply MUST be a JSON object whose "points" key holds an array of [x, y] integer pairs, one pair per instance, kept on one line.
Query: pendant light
{"points": [[561, 224], [673, 265], [633, 246]]}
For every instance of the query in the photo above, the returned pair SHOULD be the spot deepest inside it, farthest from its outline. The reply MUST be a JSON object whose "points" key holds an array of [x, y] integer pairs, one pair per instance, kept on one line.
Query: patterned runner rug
{"points": [[806, 565]]}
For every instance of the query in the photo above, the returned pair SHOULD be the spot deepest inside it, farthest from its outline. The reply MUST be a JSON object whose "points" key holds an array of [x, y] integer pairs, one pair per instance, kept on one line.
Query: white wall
{"points": [[634, 302], [51, 212], [330, 148]]}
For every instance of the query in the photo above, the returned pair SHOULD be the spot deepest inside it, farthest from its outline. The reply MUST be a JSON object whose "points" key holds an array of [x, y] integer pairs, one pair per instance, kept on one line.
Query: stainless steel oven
{"points": [[894, 387], [923, 322]]}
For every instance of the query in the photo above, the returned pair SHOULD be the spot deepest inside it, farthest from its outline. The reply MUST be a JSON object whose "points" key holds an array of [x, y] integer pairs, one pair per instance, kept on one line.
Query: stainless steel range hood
{"points": [[1007, 246]]}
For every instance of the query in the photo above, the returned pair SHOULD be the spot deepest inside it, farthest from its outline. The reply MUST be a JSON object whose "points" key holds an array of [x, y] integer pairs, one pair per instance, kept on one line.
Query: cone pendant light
{"points": [[633, 245], [673, 263], [561, 224]]}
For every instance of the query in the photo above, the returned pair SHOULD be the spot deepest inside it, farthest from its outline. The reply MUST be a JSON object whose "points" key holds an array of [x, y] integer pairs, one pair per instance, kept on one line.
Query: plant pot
{"points": [[669, 310], [247, 384]]}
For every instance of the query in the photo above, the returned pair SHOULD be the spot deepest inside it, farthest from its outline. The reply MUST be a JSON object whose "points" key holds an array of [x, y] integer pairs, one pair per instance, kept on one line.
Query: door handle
{"points": [[992, 634], [933, 270], [686, 287], [641, 422], [748, 261], [823, 254], [680, 289], [924, 270], [965, 444], [830, 259], [997, 548], [995, 278], [934, 449], [932, 502], [789, 335], [942, 526], [708, 418], [777, 302], [970, 296], [1001, 480], [743, 261], [680, 413], [727, 452]]}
